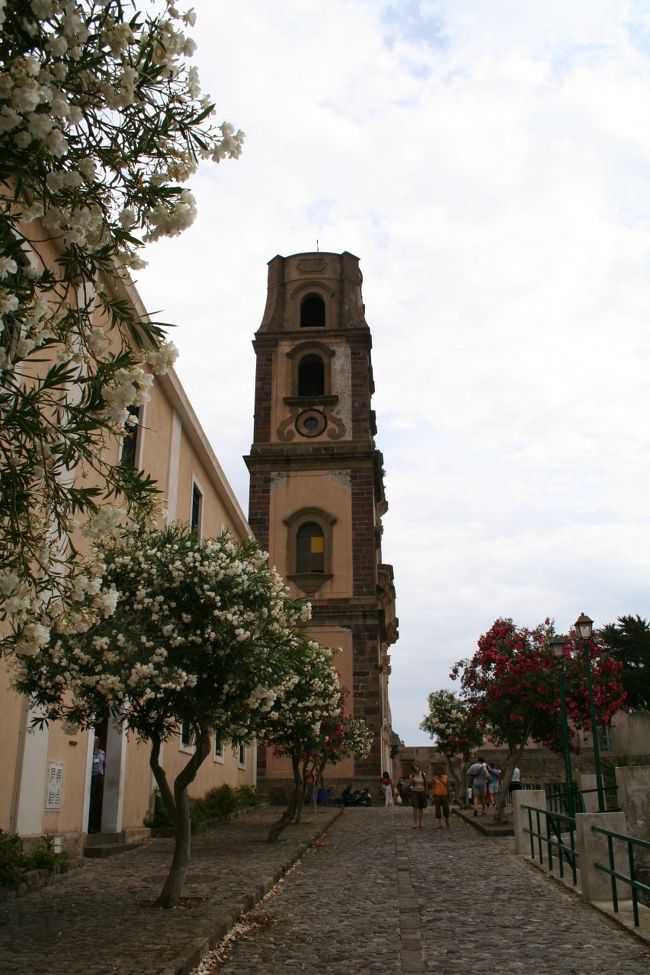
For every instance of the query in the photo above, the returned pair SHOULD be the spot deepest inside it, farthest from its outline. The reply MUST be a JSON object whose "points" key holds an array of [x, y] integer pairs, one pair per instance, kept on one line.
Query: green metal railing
{"points": [[550, 839], [557, 798], [630, 879], [611, 797]]}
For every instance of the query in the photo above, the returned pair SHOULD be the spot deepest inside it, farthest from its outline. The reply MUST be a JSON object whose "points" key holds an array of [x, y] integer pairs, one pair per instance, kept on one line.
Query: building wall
{"points": [[630, 733], [292, 491]]}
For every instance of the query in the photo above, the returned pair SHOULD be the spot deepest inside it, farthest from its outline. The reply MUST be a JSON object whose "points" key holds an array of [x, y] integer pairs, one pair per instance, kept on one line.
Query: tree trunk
{"points": [[303, 788], [160, 776], [513, 760], [290, 812], [178, 805]]}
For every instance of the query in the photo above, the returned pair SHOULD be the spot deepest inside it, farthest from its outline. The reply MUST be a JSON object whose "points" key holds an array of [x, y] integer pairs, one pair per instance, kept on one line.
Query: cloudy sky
{"points": [[489, 163]]}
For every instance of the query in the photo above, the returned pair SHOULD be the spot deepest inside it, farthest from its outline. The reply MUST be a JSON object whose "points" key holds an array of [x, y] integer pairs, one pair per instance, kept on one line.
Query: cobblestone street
{"points": [[372, 897], [380, 897]]}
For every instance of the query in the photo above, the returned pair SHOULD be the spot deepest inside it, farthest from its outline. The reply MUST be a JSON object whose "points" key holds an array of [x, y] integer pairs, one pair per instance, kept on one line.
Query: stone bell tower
{"points": [[316, 483]]}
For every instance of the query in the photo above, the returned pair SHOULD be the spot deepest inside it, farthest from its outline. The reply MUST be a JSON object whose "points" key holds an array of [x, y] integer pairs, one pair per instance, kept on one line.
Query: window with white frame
{"points": [[242, 756], [218, 749], [197, 508]]}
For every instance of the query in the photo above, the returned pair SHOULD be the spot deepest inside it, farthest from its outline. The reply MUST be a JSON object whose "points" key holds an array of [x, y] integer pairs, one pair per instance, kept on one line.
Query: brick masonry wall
{"points": [[263, 395], [364, 553], [259, 501], [360, 393], [366, 692]]}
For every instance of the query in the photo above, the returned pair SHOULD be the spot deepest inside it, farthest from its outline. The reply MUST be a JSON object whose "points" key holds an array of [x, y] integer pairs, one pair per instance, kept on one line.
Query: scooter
{"points": [[358, 797]]}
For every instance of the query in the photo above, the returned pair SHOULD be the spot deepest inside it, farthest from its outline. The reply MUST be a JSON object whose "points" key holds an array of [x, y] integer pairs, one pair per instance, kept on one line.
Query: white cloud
{"points": [[489, 164]]}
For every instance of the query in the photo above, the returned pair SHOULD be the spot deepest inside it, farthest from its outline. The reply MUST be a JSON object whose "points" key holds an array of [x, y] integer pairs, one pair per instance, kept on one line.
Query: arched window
{"points": [[312, 312], [311, 376], [310, 548], [310, 544]]}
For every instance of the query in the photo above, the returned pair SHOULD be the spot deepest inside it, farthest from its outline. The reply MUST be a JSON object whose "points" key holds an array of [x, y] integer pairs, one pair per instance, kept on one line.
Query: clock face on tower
{"points": [[311, 423]]}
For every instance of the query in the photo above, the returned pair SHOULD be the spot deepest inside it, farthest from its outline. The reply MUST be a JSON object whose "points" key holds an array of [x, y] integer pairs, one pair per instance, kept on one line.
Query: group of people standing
{"points": [[415, 791], [485, 782], [484, 779]]}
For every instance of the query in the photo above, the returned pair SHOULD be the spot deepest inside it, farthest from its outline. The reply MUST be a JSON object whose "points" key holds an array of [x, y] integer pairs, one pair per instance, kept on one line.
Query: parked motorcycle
{"points": [[356, 797]]}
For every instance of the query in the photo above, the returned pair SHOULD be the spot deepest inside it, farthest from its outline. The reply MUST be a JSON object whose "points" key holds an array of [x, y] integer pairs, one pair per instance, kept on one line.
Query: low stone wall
{"points": [[37, 879]]}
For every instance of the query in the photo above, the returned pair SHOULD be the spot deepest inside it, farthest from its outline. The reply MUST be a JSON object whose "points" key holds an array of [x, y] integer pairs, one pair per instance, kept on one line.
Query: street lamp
{"points": [[585, 627], [557, 645]]}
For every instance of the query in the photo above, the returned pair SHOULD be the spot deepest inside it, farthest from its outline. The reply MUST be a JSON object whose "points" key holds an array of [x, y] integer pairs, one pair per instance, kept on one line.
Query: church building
{"points": [[316, 484]]}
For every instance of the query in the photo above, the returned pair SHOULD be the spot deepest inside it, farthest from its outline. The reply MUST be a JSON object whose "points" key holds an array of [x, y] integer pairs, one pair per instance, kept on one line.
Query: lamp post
{"points": [[557, 644], [585, 627]]}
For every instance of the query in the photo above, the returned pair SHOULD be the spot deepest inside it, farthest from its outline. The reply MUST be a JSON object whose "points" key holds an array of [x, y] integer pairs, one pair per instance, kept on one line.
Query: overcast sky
{"points": [[489, 163]]}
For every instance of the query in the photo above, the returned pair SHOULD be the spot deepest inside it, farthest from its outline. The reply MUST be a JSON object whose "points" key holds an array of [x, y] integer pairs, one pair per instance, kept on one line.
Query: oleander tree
{"points": [[102, 122], [511, 688], [455, 730], [296, 718], [203, 635], [341, 736]]}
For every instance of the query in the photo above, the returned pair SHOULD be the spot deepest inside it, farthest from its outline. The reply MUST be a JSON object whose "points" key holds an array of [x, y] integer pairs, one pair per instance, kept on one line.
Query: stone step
{"points": [[108, 844], [96, 851]]}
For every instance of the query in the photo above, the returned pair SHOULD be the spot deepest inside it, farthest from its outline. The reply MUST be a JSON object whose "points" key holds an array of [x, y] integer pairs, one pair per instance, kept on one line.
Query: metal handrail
{"points": [[551, 838], [557, 797], [611, 797], [632, 880]]}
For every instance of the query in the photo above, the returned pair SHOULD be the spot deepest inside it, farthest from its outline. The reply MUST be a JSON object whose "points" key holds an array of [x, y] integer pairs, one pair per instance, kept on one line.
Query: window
{"points": [[54, 795], [197, 508], [186, 736], [242, 756], [605, 735], [218, 749], [310, 548], [311, 376], [312, 312], [130, 439]]}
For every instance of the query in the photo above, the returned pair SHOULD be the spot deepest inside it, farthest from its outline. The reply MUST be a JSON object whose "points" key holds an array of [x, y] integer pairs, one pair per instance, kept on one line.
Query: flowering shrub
{"points": [[101, 122], [341, 736], [511, 685], [202, 636], [310, 697], [451, 724], [308, 700]]}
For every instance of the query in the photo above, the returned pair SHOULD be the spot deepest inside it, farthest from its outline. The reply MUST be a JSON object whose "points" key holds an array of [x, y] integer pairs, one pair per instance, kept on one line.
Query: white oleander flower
{"points": [[7, 266]]}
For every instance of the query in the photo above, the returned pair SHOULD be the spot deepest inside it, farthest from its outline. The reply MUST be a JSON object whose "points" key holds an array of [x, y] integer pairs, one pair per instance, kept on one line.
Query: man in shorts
{"points": [[478, 775]]}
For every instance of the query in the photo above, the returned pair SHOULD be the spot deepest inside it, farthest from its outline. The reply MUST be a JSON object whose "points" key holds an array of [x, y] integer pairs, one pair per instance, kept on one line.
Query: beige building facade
{"points": [[316, 483], [45, 774]]}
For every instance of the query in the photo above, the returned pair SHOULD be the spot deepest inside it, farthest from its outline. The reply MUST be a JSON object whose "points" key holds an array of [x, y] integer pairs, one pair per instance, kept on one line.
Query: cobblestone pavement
{"points": [[95, 922], [380, 898]]}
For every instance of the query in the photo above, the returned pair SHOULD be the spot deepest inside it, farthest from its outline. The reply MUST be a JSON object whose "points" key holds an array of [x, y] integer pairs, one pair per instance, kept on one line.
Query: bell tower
{"points": [[316, 482]]}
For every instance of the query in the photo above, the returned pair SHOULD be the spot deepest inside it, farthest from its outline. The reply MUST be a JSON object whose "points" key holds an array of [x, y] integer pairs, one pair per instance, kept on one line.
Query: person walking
{"points": [[417, 784], [387, 789], [478, 775], [493, 785], [440, 793]]}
